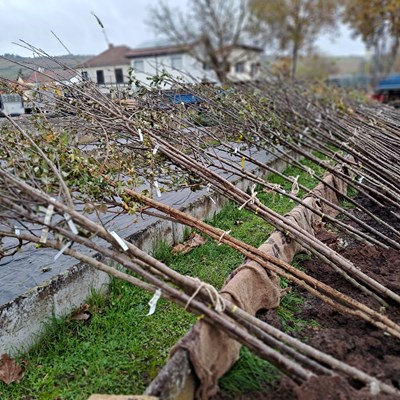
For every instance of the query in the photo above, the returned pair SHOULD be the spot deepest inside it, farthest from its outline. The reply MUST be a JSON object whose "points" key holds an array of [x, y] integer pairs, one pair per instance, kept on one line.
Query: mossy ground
{"points": [[121, 350]]}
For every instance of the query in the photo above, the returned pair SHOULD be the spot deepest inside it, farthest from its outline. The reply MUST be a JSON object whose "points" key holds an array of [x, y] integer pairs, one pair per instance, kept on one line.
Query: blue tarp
{"points": [[184, 98], [391, 83]]}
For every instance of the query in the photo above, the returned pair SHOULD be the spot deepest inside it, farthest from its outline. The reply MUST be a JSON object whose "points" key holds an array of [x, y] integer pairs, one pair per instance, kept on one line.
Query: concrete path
{"points": [[33, 267], [34, 287]]}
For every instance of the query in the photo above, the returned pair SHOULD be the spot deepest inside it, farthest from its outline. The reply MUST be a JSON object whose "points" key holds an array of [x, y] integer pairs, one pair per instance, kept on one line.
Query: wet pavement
{"points": [[33, 267]]}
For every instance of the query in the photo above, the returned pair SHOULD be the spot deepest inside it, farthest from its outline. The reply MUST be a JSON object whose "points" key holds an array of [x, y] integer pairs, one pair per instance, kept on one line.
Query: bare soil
{"points": [[347, 338]]}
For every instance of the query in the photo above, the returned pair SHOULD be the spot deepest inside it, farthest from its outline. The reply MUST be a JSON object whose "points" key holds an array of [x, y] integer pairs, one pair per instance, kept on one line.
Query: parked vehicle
{"points": [[388, 91], [11, 104]]}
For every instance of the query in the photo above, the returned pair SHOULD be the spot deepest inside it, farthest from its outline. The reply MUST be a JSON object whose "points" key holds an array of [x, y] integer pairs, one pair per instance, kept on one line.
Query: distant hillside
{"points": [[11, 70], [349, 65]]}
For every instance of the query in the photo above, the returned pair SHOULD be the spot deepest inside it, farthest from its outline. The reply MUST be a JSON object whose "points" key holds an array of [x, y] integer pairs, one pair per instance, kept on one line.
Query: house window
{"points": [[85, 76], [253, 69], [119, 76], [100, 77], [176, 62], [239, 67], [138, 66]]}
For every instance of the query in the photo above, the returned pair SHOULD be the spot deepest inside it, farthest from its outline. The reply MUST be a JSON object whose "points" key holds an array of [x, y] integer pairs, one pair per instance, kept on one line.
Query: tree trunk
{"points": [[294, 59], [221, 75]]}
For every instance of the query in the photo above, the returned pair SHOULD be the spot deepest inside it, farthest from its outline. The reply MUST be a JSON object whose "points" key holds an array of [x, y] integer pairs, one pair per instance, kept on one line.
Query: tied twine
{"points": [[215, 298], [274, 189], [295, 186], [252, 198], [310, 171]]}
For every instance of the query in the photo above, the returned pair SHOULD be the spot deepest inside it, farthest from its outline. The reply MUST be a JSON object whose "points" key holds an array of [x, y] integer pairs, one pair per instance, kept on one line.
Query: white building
{"points": [[244, 63], [109, 68]]}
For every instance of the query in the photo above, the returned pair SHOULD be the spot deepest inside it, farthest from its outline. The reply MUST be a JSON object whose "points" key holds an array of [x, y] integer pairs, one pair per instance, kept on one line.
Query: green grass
{"points": [[249, 374], [118, 352], [291, 303], [351, 192], [121, 350]]}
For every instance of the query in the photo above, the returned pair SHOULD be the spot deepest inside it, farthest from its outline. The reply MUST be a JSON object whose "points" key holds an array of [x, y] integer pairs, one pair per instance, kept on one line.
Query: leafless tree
{"points": [[210, 30]]}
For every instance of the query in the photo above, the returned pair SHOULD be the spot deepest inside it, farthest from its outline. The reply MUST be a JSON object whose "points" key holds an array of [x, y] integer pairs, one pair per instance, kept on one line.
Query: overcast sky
{"points": [[124, 20]]}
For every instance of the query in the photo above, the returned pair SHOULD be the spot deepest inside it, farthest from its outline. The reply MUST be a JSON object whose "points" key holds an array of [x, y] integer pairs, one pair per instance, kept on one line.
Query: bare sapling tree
{"points": [[22, 221], [106, 160], [210, 30]]}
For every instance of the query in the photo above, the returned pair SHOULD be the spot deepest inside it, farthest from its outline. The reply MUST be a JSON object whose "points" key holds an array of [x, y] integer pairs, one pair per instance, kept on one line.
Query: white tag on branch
{"points": [[65, 247], [120, 241], [157, 188], [47, 220], [153, 302], [140, 134], [222, 236], [374, 388], [155, 149], [71, 224], [210, 191]]}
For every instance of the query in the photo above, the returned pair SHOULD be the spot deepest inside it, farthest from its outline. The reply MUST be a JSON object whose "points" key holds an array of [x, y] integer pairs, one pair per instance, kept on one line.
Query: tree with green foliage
{"points": [[294, 24], [377, 22]]}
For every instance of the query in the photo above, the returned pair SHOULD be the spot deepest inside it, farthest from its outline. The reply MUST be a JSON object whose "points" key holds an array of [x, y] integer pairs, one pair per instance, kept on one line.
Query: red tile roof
{"points": [[245, 47], [158, 51], [49, 75], [174, 49], [114, 55]]}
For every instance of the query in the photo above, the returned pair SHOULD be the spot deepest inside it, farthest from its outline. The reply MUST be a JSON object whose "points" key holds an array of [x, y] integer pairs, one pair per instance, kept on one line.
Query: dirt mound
{"points": [[347, 338]]}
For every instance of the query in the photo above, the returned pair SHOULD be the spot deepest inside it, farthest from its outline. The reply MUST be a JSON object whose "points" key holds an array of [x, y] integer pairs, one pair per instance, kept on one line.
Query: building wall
{"points": [[108, 72], [191, 70], [250, 65], [180, 66]]}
